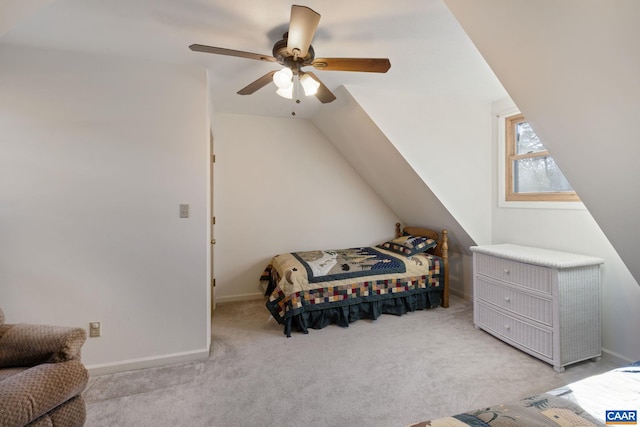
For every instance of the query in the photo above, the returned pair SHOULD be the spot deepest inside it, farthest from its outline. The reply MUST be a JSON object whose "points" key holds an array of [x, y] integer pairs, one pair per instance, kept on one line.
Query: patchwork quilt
{"points": [[323, 266], [301, 282]]}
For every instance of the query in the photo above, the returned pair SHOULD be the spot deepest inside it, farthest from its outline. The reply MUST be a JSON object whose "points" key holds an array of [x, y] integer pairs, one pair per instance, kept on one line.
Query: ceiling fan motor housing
{"points": [[287, 58]]}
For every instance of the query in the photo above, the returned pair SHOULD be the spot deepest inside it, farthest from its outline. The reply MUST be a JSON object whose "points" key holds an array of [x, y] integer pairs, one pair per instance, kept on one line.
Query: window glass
{"points": [[531, 172], [527, 140], [539, 175]]}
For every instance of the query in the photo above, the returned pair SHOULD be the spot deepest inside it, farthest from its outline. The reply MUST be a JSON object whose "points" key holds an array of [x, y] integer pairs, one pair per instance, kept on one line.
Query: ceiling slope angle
{"points": [[430, 53]]}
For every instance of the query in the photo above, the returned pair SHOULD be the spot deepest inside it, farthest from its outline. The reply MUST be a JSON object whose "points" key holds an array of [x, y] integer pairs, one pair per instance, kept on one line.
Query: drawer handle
{"points": [[507, 299], [507, 327], [506, 271]]}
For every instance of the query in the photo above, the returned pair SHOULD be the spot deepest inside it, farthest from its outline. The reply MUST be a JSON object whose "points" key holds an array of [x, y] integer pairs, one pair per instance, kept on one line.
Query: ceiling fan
{"points": [[294, 52]]}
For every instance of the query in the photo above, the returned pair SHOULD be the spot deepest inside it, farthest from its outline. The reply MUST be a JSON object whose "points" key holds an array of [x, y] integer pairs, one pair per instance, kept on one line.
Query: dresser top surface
{"points": [[538, 256]]}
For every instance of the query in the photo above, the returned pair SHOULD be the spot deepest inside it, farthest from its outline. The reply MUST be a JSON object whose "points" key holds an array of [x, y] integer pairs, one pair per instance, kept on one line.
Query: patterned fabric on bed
{"points": [[409, 245], [290, 292], [544, 410], [323, 266], [581, 403], [618, 389]]}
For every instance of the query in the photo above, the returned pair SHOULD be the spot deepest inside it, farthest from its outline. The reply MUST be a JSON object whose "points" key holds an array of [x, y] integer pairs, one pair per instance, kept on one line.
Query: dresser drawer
{"points": [[531, 337], [515, 301], [526, 275]]}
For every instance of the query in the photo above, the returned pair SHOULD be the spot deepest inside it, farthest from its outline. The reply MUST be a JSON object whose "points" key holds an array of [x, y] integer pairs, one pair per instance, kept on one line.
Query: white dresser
{"points": [[546, 303]]}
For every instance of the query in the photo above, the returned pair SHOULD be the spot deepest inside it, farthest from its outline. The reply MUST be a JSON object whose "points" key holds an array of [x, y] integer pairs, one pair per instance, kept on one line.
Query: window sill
{"points": [[579, 206]]}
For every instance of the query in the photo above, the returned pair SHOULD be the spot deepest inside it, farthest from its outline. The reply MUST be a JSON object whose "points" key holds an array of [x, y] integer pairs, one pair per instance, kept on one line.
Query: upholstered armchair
{"points": [[41, 375]]}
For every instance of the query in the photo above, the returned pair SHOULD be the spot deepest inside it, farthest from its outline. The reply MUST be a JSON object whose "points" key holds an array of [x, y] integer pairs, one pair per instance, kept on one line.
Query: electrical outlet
{"points": [[184, 210], [95, 329]]}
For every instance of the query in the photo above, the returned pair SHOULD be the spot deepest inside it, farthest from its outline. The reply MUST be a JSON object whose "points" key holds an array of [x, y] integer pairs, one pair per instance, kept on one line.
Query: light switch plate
{"points": [[184, 210]]}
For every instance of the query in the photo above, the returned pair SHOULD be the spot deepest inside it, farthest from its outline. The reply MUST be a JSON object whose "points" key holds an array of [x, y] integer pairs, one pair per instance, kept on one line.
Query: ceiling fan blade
{"points": [[369, 65], [231, 52], [323, 94], [302, 27], [258, 84]]}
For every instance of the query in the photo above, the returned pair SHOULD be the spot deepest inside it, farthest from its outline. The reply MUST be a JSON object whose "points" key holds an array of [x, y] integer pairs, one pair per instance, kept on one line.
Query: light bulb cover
{"points": [[283, 78], [286, 92], [309, 85]]}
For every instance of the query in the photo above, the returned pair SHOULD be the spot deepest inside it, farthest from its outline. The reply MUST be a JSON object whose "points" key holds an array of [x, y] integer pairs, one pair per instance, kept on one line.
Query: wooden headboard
{"points": [[442, 250]]}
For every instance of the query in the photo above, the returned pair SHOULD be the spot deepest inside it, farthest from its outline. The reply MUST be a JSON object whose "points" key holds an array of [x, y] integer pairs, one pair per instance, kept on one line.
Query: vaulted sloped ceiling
{"points": [[13, 12], [377, 160], [425, 45], [572, 68]]}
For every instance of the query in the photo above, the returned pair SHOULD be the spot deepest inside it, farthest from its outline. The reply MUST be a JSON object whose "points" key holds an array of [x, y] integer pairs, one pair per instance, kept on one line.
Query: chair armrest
{"points": [[28, 344], [35, 391]]}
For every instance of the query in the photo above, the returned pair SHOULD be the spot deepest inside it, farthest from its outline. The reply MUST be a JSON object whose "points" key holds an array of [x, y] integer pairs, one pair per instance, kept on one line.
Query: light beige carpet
{"points": [[390, 372]]}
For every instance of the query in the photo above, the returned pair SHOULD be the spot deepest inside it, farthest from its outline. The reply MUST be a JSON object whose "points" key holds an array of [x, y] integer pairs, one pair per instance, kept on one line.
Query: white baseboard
{"points": [[616, 358], [460, 294], [241, 297], [148, 362]]}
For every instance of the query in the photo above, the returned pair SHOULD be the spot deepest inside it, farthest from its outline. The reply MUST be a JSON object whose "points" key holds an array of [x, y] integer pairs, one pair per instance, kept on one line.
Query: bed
{"points": [[609, 398], [313, 289]]}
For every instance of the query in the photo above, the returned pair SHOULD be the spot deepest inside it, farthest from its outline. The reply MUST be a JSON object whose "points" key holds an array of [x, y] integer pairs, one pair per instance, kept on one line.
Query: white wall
{"points": [[573, 230], [429, 133], [447, 142], [578, 85], [13, 12], [358, 138], [96, 154], [281, 186]]}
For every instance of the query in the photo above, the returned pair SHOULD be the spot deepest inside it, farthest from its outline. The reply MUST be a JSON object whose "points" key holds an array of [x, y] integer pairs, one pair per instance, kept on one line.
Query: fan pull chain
{"points": [[295, 94]]}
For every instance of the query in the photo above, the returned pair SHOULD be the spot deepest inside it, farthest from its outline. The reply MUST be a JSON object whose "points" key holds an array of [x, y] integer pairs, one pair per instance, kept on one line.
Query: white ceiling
{"points": [[428, 50]]}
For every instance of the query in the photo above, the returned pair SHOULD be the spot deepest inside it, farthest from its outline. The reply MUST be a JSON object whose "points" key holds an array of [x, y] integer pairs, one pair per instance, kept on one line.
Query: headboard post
{"points": [[445, 260], [442, 250]]}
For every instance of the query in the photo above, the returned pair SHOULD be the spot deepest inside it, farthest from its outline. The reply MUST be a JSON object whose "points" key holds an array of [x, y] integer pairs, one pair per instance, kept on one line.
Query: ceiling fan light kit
{"points": [[283, 78], [286, 92], [309, 85], [295, 51]]}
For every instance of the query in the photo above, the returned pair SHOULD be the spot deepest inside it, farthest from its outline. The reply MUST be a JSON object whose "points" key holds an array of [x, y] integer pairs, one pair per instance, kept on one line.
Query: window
{"points": [[531, 173]]}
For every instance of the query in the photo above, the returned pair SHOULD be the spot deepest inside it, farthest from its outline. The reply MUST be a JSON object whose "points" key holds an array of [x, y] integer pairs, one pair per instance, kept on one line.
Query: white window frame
{"points": [[502, 197]]}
